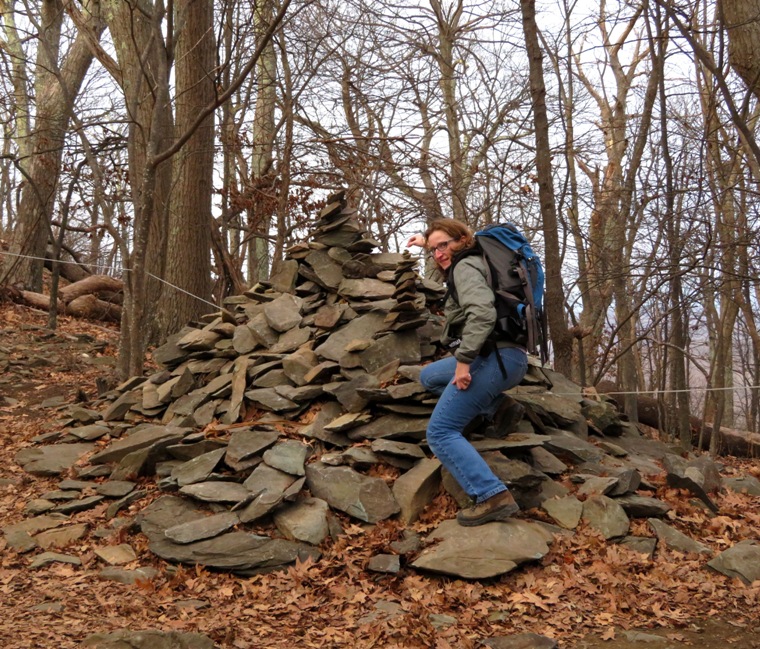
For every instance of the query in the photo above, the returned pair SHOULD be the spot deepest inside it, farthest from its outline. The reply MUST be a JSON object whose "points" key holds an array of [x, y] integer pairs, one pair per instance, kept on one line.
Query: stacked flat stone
{"points": [[278, 408]]}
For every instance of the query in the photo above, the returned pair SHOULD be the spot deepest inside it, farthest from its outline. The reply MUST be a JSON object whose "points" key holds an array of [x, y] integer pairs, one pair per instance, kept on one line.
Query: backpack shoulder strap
{"points": [[462, 254]]}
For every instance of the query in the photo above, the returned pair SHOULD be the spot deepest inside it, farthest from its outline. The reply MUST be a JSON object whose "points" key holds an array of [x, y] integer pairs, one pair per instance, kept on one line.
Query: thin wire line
{"points": [[654, 392], [557, 394], [114, 268]]}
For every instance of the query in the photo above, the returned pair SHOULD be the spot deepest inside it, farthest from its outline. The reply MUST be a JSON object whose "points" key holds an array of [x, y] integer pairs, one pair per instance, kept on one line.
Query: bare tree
{"points": [[56, 89]]}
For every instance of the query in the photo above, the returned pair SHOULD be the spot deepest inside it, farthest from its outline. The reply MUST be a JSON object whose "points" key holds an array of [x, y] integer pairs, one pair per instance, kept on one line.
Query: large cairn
{"points": [[270, 423]]}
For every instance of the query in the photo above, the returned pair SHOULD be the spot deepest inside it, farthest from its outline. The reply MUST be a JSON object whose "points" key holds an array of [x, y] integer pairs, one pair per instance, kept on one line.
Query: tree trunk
{"points": [[555, 299], [263, 177], [741, 20], [188, 265], [144, 60]]}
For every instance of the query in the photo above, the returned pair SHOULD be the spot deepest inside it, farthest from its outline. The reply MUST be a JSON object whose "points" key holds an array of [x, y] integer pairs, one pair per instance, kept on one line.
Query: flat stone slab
{"points": [[235, 551], [306, 520], [217, 491], [642, 506], [198, 469], [138, 440], [289, 456], [485, 551], [512, 441], [566, 511], [744, 484], [148, 640], [364, 497], [416, 488], [46, 558], [117, 555], [81, 505], [51, 460], [247, 443], [742, 561], [606, 516], [571, 448], [521, 641], [675, 539], [89, 433], [115, 488], [61, 537], [202, 528], [128, 577]]}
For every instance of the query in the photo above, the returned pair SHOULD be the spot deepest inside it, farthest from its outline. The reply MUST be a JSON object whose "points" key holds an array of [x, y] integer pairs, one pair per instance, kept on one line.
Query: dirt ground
{"points": [[585, 593], [705, 634]]}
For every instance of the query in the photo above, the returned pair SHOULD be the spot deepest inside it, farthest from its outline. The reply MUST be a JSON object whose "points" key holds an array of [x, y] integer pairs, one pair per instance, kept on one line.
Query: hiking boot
{"points": [[497, 508], [474, 428], [505, 419]]}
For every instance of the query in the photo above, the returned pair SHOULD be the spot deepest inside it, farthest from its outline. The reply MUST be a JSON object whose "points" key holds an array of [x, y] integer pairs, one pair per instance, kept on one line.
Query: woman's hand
{"points": [[462, 378], [416, 240]]}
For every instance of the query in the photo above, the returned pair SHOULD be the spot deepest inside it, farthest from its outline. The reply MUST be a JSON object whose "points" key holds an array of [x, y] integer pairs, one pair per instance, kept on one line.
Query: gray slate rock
{"points": [[568, 447], [89, 433], [416, 489], [202, 528], [289, 456], [404, 346], [138, 440], [198, 469], [597, 486], [366, 498], [386, 563], [672, 538], [363, 327], [306, 520], [217, 492], [269, 399], [642, 506], [606, 516], [284, 313], [235, 551], [641, 544], [547, 462], [566, 511], [742, 561], [246, 443], [125, 639], [46, 558], [486, 551], [265, 478], [81, 505], [521, 641], [51, 460], [745, 484], [392, 427]]}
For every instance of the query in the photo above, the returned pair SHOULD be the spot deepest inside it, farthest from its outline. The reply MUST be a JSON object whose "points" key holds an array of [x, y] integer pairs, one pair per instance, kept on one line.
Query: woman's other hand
{"points": [[416, 240], [462, 378]]}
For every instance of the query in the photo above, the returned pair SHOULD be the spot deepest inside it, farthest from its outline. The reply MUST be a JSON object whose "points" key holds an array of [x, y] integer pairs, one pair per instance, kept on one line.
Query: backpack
{"points": [[516, 276]]}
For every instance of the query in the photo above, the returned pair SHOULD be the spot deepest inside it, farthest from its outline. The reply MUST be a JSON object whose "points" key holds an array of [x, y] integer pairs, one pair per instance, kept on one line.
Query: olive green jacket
{"points": [[471, 318]]}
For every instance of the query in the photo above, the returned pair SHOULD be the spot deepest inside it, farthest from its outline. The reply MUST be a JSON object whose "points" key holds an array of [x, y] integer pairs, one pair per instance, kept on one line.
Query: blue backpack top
{"points": [[517, 279]]}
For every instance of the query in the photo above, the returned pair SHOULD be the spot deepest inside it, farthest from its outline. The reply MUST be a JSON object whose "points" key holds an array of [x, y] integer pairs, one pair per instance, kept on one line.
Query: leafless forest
{"points": [[180, 147]]}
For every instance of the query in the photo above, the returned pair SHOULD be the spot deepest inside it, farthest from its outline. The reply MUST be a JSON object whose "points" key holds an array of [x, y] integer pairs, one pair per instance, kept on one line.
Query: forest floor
{"points": [[585, 593]]}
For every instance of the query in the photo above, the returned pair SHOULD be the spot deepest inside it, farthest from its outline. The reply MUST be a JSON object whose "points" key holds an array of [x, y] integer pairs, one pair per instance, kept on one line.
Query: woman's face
{"points": [[443, 247]]}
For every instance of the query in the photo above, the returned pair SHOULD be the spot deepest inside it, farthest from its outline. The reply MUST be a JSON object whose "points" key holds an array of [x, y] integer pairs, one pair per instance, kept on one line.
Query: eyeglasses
{"points": [[442, 247]]}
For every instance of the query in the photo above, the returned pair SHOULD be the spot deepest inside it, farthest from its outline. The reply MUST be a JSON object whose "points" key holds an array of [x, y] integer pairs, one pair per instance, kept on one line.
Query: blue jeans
{"points": [[456, 408]]}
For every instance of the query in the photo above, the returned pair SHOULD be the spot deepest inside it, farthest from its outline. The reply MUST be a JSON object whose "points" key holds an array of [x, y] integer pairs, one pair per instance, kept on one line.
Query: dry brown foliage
{"points": [[584, 585]]}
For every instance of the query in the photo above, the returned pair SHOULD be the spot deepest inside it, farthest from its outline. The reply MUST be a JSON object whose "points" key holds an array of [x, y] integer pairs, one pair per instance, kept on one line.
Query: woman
{"points": [[468, 384]]}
